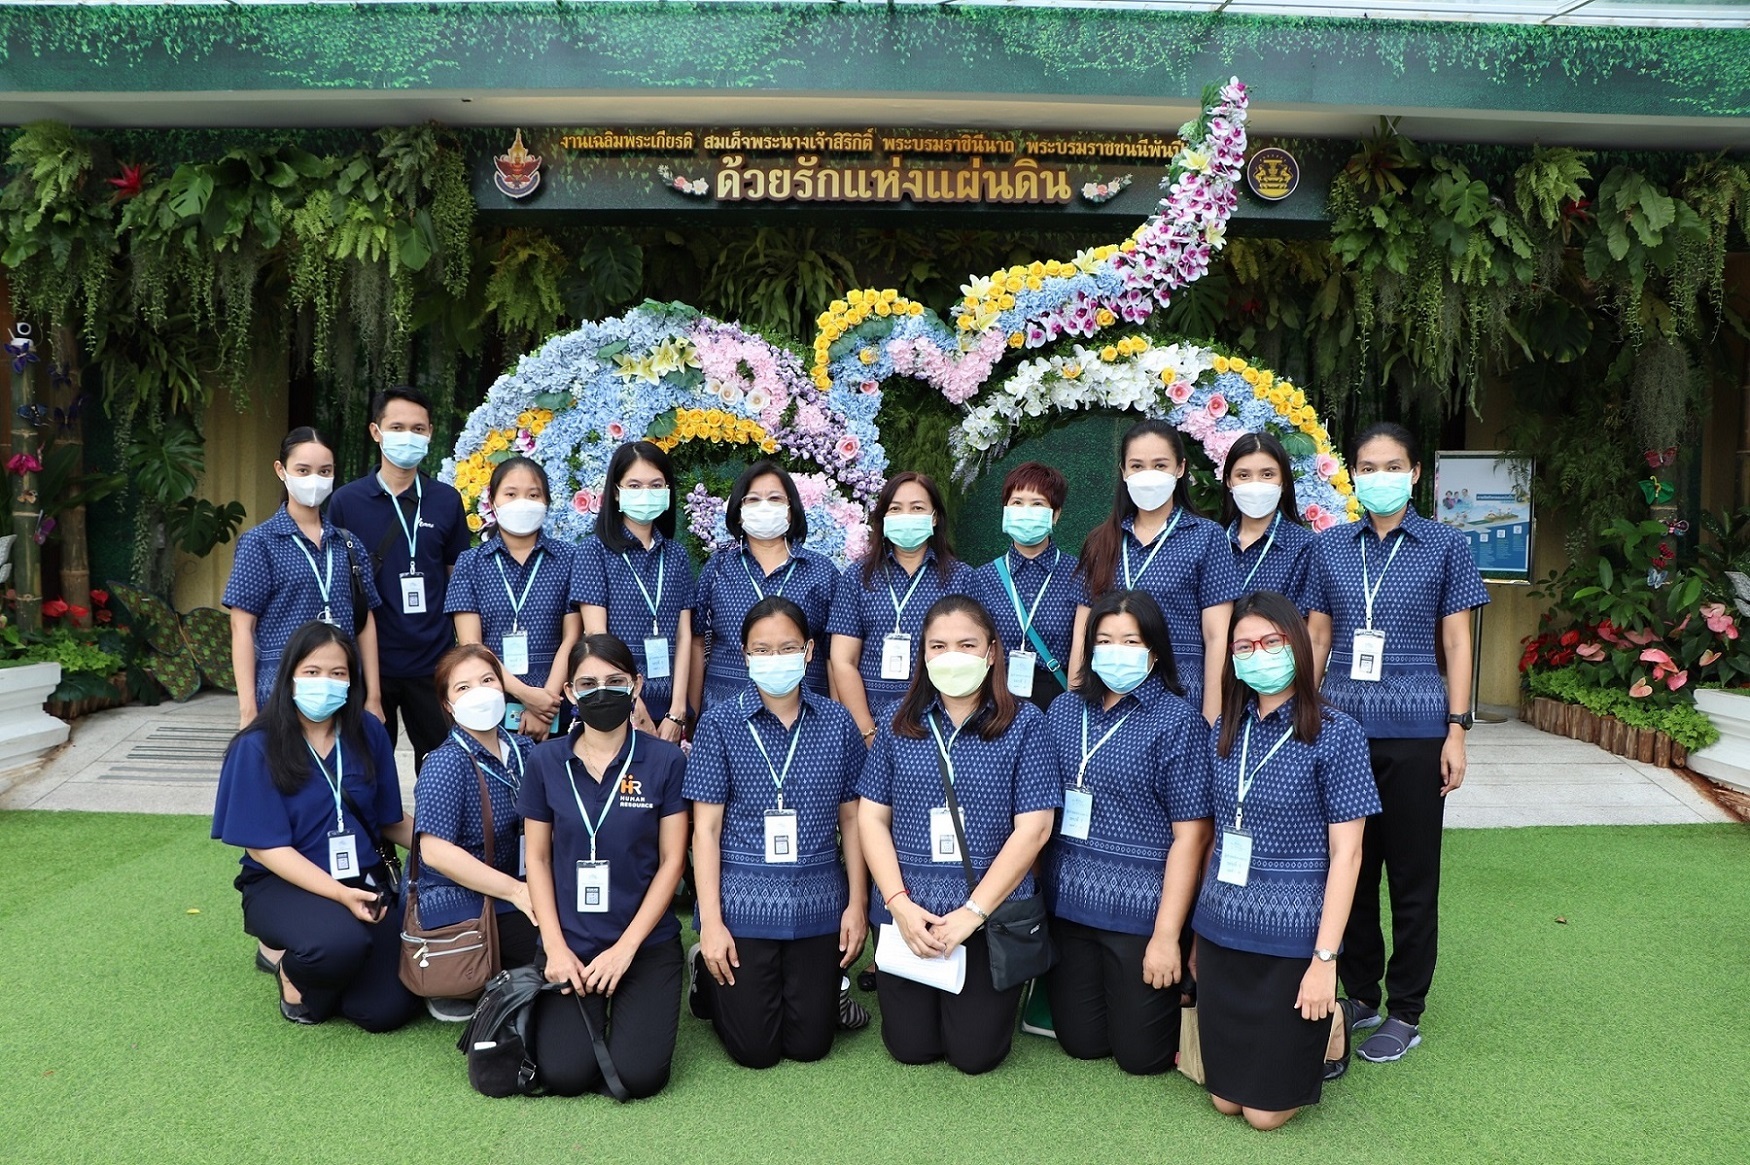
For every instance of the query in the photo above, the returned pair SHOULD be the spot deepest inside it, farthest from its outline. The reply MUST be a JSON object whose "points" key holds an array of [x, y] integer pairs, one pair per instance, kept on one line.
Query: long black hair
{"points": [[1267, 444], [504, 470], [302, 435], [997, 705], [877, 552], [738, 494], [288, 756], [1141, 606], [610, 526], [1098, 563], [1309, 707]]}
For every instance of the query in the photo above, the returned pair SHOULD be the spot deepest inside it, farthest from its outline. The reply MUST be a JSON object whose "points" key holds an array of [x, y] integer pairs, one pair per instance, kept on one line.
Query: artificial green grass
{"points": [[134, 1030]]}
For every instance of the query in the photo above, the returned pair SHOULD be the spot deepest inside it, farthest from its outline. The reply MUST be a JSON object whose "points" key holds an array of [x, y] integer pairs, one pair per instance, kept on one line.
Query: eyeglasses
{"points": [[764, 652], [590, 684], [1274, 644]]}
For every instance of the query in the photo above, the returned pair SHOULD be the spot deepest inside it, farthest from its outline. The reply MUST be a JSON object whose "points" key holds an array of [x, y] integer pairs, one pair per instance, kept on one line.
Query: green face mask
{"points": [[1266, 672], [1383, 493], [908, 531]]}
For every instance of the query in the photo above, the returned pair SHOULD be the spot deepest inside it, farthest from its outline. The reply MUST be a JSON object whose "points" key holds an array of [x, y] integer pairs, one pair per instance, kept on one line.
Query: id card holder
{"points": [[327, 616], [513, 716], [515, 653], [1078, 813], [592, 887], [896, 656], [522, 853], [1021, 665], [781, 835], [412, 594], [656, 664], [343, 856], [1236, 858], [944, 842], [1368, 660]]}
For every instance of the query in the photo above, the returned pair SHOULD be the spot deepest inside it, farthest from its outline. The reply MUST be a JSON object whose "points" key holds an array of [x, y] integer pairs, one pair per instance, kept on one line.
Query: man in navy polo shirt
{"points": [[415, 529]]}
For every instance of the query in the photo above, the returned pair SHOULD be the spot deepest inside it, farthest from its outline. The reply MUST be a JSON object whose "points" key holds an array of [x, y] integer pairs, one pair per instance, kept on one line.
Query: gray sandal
{"points": [[1391, 1042]]}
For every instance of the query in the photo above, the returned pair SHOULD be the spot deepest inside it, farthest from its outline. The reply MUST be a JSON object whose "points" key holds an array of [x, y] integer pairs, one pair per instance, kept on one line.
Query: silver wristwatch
{"points": [[1323, 955]]}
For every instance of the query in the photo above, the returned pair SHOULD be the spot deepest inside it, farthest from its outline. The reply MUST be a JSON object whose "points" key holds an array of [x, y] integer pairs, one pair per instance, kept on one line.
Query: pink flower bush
{"points": [[1718, 621]]}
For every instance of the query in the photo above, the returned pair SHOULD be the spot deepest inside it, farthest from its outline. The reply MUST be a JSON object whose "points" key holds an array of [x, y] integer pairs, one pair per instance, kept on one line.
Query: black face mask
{"points": [[604, 709]]}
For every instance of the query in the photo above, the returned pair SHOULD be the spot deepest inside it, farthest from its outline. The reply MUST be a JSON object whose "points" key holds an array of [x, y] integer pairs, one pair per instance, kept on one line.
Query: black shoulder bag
{"points": [[387, 854], [1017, 933], [496, 1039], [360, 605]]}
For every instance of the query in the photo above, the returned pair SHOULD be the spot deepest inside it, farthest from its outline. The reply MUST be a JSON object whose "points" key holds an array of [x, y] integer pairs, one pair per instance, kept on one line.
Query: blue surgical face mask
{"points": [[777, 675], [908, 531], [1383, 493], [644, 505], [1266, 672], [1121, 666], [404, 449], [1027, 525], [318, 697]]}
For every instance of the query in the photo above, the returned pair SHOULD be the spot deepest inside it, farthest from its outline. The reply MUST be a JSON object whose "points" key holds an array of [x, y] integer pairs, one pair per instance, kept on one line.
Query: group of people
{"points": [[1201, 742]]}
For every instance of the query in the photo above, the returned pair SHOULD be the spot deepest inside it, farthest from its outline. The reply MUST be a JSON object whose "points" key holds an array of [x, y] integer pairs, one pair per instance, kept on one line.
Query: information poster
{"points": [[1486, 496]]}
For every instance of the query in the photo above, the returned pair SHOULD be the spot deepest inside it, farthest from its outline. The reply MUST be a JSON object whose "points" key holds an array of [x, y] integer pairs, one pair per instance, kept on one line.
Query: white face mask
{"points": [[765, 519], [1150, 489], [311, 490], [1257, 499], [520, 515], [481, 709]]}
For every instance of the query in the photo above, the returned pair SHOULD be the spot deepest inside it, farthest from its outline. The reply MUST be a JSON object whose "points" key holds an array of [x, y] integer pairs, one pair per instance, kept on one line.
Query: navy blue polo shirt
{"points": [[490, 582], [602, 578], [1192, 570], [627, 840], [1294, 798], [250, 812], [1053, 612], [407, 645], [1276, 562], [1430, 575], [778, 900], [272, 579], [446, 805], [731, 583], [1151, 771], [867, 613], [994, 781]]}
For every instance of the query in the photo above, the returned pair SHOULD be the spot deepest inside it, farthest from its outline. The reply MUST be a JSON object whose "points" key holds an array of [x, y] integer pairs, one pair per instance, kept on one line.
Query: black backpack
{"points": [[496, 1040]]}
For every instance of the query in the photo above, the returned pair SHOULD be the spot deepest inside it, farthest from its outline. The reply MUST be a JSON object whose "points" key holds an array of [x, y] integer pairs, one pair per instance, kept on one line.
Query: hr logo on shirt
{"points": [[631, 787]]}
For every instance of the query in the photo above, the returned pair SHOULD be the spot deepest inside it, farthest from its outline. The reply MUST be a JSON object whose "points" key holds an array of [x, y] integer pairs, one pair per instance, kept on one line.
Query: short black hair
{"points": [[1391, 431], [775, 605], [406, 392], [738, 494]]}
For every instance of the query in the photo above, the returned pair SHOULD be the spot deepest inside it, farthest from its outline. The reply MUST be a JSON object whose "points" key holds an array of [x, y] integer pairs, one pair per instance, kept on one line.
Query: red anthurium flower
{"points": [[1561, 658], [1570, 637], [104, 616], [131, 182], [1641, 689], [55, 608], [79, 612], [101, 598]]}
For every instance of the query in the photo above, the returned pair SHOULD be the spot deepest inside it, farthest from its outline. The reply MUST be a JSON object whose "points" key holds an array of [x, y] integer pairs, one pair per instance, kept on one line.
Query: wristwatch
{"points": [[978, 910], [1463, 719], [1323, 955]]}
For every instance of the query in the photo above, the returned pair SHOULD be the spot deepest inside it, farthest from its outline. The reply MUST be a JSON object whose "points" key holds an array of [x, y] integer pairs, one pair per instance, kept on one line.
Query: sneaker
{"points": [[451, 1010], [695, 973], [1391, 1042], [1036, 1011], [1362, 1018], [866, 978], [853, 1016]]}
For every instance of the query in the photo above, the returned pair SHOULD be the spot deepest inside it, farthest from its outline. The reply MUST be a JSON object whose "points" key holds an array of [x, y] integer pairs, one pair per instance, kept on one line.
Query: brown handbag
{"points": [[455, 961]]}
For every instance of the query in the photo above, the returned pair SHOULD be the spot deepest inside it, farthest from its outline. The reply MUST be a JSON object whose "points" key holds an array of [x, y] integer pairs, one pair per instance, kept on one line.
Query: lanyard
{"points": [[613, 794], [324, 582], [945, 749], [1026, 620], [1269, 541], [1245, 783], [653, 604], [511, 750], [778, 778], [899, 603], [516, 604], [1129, 582], [755, 583], [418, 509], [1369, 593], [334, 781], [1088, 753]]}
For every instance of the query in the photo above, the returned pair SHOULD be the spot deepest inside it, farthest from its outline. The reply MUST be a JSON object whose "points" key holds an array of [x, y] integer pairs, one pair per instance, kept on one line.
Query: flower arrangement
{"points": [[836, 527], [1098, 192]]}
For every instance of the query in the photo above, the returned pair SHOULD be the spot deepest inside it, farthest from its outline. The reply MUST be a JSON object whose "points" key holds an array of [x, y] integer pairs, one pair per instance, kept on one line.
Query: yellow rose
{"points": [[1016, 339], [883, 309], [1104, 318], [1071, 371], [475, 522], [1036, 268], [1168, 375], [837, 306], [1034, 283], [1298, 398], [1108, 353], [1221, 364], [1235, 364], [914, 309], [855, 297], [1249, 375], [1265, 379], [1127, 246], [965, 323], [889, 294]]}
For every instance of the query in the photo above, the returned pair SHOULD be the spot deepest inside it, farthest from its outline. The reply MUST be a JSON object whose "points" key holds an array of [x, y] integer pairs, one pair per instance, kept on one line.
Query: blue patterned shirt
{"points": [[478, 586], [866, 613], [446, 805], [602, 578], [777, 900], [1431, 576], [1294, 798], [1152, 772], [1276, 562], [729, 586], [1055, 617]]}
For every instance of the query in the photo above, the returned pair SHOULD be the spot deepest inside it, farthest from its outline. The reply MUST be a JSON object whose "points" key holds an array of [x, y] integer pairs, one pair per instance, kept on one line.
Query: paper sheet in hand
{"points": [[944, 974]]}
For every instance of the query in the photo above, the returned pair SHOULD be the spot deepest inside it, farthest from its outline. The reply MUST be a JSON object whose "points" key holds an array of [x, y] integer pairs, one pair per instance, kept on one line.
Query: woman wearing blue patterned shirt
{"points": [[772, 777], [1032, 590], [1385, 595], [958, 725], [1290, 786], [1121, 872], [1271, 545]]}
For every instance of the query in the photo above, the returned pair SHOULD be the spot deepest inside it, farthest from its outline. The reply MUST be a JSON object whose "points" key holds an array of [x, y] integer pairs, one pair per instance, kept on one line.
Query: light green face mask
{"points": [[1266, 672], [908, 531], [1383, 493]]}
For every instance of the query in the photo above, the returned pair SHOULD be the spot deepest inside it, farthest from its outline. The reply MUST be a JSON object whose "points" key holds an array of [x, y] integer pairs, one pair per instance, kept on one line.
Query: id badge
{"points": [[522, 854], [1236, 858], [656, 665], [1021, 665], [412, 594], [781, 835], [515, 655], [896, 656], [592, 887], [343, 856], [1078, 813], [1368, 660], [513, 717], [944, 842]]}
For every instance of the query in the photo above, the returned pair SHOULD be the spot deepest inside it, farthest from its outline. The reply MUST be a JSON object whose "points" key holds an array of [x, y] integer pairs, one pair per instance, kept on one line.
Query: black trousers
{"points": [[518, 940], [1101, 1006], [1404, 839], [415, 700], [339, 964], [972, 1030], [784, 1003], [640, 1021]]}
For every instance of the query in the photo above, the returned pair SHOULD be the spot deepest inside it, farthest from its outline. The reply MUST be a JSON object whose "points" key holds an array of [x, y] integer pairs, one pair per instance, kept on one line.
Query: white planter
{"points": [[26, 731], [1726, 760]]}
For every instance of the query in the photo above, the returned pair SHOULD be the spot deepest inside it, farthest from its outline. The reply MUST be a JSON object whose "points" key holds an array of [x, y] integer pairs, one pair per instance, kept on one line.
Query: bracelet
{"points": [[869, 733], [677, 719], [902, 892]]}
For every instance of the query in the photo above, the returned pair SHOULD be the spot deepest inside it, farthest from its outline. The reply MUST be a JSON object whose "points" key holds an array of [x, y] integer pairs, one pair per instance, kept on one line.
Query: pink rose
{"points": [[586, 502], [849, 447], [616, 431], [1179, 391], [1217, 406], [870, 387], [1327, 465]]}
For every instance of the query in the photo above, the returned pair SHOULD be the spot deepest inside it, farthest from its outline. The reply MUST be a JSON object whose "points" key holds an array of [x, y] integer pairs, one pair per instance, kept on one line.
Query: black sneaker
{"points": [[451, 1010], [853, 1016], [866, 979], [696, 1002]]}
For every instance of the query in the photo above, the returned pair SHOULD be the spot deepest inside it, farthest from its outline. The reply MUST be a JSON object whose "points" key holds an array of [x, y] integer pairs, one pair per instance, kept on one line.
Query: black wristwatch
{"points": [[1463, 719]]}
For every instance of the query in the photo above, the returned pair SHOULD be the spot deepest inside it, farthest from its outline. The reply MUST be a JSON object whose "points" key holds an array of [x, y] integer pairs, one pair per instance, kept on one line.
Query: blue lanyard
{"points": [[778, 778], [1269, 541], [760, 590], [516, 604], [653, 604], [613, 794], [1026, 620], [335, 780], [893, 596], [324, 583], [418, 509], [511, 750], [1160, 541]]}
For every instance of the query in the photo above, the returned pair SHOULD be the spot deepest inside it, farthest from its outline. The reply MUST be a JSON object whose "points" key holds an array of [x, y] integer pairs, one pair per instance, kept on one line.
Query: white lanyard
{"points": [[516, 604], [778, 778], [760, 590], [1088, 753], [1160, 541], [946, 749], [324, 583], [511, 750], [1269, 541], [613, 795], [1369, 593], [1026, 620], [653, 604], [334, 782], [418, 509], [1245, 782], [899, 603]]}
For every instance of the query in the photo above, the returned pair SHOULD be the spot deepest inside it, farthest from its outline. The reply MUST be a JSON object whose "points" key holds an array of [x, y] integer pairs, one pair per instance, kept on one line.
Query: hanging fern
{"points": [[524, 289]]}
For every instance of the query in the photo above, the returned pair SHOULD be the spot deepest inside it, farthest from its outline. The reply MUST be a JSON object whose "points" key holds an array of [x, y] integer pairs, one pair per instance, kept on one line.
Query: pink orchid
{"points": [[1641, 689]]}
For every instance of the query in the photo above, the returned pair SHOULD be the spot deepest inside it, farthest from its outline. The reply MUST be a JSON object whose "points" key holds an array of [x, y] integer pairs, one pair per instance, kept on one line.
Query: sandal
{"points": [[1391, 1042]]}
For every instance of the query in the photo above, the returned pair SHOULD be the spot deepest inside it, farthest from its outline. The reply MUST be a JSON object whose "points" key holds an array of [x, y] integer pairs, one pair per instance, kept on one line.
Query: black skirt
{"points": [[1257, 1050]]}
